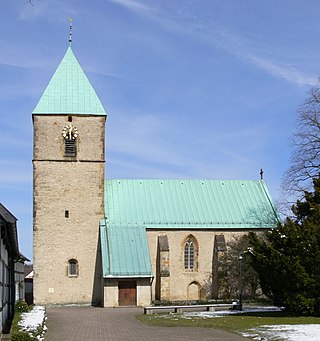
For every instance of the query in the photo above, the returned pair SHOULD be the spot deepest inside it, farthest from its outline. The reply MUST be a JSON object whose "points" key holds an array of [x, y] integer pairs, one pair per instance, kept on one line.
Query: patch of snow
{"points": [[295, 332], [220, 313], [285, 332], [31, 320]]}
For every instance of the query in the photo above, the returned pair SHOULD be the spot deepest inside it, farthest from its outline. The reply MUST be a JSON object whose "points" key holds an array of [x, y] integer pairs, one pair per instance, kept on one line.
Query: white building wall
{"points": [[19, 280], [111, 292]]}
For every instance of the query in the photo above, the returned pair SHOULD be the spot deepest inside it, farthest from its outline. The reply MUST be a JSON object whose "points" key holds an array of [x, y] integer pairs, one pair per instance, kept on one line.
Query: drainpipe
{"points": [[108, 247], [151, 281]]}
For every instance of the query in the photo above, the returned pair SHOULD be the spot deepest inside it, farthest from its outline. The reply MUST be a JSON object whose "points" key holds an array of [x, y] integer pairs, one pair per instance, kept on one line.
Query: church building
{"points": [[114, 242]]}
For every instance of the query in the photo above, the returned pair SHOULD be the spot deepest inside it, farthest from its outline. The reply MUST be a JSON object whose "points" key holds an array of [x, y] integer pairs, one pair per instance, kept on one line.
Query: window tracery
{"points": [[190, 254]]}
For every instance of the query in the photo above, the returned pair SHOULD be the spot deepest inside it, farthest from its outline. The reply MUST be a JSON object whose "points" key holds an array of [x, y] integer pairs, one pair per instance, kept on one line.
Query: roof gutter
{"points": [[132, 276]]}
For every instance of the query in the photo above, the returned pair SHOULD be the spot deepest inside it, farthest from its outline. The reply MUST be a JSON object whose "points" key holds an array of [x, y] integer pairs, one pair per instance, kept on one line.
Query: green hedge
{"points": [[22, 336]]}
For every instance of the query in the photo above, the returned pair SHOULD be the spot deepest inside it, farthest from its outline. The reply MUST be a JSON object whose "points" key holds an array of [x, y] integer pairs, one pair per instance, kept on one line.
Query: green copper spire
{"points": [[69, 91]]}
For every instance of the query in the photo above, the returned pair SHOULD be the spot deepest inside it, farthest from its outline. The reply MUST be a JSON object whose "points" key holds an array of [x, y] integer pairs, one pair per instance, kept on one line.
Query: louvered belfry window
{"points": [[70, 134], [70, 148]]}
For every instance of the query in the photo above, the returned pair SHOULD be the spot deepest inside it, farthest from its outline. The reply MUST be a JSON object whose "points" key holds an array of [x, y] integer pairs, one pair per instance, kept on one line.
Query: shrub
{"points": [[300, 304], [22, 336], [21, 307]]}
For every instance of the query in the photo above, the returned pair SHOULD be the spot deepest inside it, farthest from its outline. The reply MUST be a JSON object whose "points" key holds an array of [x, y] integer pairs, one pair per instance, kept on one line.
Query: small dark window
{"points": [[70, 147], [73, 268], [69, 118], [66, 214]]}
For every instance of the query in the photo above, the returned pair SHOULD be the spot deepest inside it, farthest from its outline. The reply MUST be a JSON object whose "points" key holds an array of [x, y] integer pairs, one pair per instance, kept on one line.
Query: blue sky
{"points": [[193, 89]]}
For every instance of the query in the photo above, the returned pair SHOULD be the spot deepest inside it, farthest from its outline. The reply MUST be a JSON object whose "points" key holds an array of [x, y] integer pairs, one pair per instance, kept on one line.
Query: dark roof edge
{"points": [[7, 215]]}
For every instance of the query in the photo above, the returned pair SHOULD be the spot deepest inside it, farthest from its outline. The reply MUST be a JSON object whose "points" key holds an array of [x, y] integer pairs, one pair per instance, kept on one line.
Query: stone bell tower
{"points": [[68, 188]]}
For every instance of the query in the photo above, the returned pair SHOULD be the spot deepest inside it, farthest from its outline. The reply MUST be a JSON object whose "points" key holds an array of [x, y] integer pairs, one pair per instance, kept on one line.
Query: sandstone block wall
{"points": [[48, 143], [186, 285], [73, 185]]}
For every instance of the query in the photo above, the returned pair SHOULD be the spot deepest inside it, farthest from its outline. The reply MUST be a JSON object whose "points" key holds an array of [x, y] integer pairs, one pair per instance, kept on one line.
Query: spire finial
{"points": [[70, 31]]}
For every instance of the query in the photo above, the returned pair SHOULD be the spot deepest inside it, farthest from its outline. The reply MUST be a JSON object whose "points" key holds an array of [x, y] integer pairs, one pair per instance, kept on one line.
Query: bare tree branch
{"points": [[305, 158], [30, 2]]}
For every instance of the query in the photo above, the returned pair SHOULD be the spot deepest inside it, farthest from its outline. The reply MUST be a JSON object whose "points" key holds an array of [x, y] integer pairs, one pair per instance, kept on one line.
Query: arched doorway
{"points": [[194, 291]]}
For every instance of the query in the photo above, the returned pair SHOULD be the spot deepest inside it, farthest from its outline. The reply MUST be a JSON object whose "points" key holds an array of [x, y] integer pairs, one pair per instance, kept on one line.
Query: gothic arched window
{"points": [[73, 268], [190, 254]]}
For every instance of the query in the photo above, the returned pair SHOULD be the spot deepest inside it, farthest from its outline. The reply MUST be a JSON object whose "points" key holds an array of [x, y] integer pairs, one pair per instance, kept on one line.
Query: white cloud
{"points": [[24, 57], [11, 178], [268, 58], [152, 147], [32, 10], [263, 57], [121, 168], [143, 137], [59, 10], [257, 55], [134, 5]]}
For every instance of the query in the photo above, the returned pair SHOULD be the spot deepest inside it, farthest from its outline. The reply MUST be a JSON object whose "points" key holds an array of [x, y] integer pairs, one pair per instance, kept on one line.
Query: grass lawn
{"points": [[232, 323]]}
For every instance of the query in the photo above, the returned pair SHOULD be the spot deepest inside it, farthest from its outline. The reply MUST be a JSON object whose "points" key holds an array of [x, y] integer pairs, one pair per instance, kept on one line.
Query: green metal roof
{"points": [[189, 204], [69, 91], [132, 206], [125, 251]]}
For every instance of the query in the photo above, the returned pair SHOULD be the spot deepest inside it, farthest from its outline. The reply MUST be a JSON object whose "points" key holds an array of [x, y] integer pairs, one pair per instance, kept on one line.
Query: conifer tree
{"points": [[287, 259]]}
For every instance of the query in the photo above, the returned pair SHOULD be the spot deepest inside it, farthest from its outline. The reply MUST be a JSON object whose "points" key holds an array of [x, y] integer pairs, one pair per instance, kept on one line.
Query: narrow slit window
{"points": [[69, 118], [66, 214]]}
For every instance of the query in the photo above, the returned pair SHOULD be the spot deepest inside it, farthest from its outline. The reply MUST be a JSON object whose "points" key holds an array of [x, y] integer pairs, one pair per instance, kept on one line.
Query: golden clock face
{"points": [[70, 132]]}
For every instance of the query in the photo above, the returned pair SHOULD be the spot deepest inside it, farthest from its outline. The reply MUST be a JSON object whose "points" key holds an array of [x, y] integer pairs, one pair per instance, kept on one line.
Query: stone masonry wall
{"points": [[65, 184], [180, 280]]}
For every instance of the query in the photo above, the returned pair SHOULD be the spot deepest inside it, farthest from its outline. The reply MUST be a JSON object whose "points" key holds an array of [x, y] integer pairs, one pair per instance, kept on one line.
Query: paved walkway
{"points": [[119, 324]]}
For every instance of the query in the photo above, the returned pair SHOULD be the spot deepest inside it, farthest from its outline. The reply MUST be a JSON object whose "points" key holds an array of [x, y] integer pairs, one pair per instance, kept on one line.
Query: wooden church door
{"points": [[127, 293]]}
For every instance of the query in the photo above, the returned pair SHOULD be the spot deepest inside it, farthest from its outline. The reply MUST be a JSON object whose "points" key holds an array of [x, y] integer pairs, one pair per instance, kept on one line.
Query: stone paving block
{"points": [[119, 324]]}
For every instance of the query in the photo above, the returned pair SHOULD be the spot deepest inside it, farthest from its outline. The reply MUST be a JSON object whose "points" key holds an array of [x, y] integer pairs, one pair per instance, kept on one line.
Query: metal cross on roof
{"points": [[261, 174]]}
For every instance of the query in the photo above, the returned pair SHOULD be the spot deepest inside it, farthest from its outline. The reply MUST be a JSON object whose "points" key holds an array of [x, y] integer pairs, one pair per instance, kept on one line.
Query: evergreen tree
{"points": [[287, 259]]}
